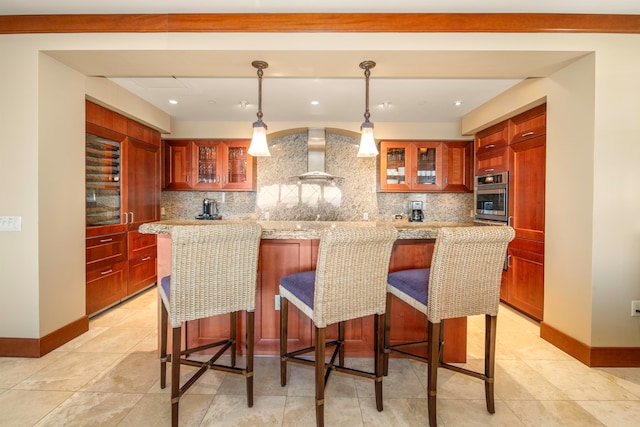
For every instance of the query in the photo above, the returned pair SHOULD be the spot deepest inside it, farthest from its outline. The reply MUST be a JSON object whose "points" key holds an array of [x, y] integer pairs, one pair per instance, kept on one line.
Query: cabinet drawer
{"points": [[493, 138], [530, 124], [141, 244], [106, 250], [492, 161], [142, 273], [106, 287]]}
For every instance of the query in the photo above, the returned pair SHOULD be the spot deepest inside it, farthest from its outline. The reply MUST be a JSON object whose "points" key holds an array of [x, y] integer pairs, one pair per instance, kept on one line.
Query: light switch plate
{"points": [[10, 223]]}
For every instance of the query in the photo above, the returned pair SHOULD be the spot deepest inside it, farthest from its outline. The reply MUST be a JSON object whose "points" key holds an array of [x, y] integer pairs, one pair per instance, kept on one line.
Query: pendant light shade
{"points": [[259, 147], [367, 141]]}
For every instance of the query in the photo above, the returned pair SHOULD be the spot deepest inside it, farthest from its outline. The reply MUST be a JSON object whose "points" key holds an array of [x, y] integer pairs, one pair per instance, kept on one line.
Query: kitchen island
{"points": [[289, 247]]}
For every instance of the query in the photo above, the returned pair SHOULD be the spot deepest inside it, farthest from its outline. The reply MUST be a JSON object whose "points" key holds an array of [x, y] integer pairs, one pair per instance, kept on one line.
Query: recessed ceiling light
{"points": [[386, 105], [315, 102], [173, 102], [457, 103], [211, 101]]}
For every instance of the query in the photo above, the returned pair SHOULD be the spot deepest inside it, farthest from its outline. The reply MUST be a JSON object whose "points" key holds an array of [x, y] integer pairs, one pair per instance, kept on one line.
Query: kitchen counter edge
{"points": [[310, 229]]}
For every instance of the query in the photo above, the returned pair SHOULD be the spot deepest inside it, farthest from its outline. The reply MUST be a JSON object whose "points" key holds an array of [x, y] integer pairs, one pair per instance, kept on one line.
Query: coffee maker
{"points": [[416, 212], [209, 210]]}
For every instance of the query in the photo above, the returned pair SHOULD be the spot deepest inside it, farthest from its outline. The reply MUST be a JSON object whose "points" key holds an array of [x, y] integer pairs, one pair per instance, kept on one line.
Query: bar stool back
{"points": [[213, 271], [349, 282], [463, 280]]}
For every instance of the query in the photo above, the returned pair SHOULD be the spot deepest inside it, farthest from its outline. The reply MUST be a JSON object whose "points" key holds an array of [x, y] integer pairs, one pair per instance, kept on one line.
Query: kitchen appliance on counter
{"points": [[209, 210], [490, 198], [416, 212]]}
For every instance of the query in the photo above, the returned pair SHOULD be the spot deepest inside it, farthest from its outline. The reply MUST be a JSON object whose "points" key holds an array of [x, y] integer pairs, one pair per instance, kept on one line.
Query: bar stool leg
{"points": [[387, 336], [433, 331], [489, 360], [284, 316], [379, 325], [320, 370], [175, 374], [251, 319], [341, 343], [233, 325], [163, 345]]}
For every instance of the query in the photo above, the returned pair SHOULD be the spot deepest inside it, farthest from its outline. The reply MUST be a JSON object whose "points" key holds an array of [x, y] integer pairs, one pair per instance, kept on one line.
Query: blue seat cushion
{"points": [[302, 285], [414, 283], [165, 283]]}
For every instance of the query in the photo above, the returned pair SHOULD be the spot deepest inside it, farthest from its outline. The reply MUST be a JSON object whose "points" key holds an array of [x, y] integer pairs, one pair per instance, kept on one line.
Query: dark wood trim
{"points": [[591, 356], [324, 22], [33, 347]]}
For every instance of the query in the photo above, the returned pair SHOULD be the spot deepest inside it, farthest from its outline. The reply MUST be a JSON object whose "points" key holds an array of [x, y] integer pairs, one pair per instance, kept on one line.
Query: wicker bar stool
{"points": [[349, 282], [463, 280], [213, 271]]}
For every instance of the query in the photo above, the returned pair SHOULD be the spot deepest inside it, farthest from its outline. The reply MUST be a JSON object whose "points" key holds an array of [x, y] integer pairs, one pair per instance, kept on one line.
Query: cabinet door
{"points": [[426, 167], [492, 161], [527, 188], [142, 273], [105, 287], [526, 277], [530, 124], [142, 184], [237, 166], [206, 160], [395, 166], [492, 138], [177, 168], [458, 166]]}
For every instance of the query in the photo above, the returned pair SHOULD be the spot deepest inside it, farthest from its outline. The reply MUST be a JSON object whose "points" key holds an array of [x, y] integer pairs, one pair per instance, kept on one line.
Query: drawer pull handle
{"points": [[106, 272], [106, 240], [146, 258], [489, 169], [527, 134], [490, 146]]}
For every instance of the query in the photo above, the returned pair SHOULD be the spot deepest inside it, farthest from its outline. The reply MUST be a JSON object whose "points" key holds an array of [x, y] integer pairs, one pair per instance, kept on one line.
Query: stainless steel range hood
{"points": [[316, 158]]}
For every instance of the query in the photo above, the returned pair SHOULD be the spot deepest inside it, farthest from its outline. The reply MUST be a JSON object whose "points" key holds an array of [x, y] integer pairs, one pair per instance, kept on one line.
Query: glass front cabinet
{"points": [[410, 166], [208, 164], [103, 168]]}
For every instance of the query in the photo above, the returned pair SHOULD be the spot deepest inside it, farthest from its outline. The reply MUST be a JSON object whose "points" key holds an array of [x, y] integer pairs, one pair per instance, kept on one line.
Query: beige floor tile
{"points": [[338, 411], [88, 408], [115, 340], [396, 412], [471, 413], [452, 385], [515, 380], [92, 333], [560, 413], [69, 373], [139, 319], [207, 384], [301, 382], [148, 343], [14, 370], [229, 410], [578, 381], [614, 413], [628, 378], [266, 379], [24, 408], [402, 381], [155, 410], [135, 373], [110, 317]]}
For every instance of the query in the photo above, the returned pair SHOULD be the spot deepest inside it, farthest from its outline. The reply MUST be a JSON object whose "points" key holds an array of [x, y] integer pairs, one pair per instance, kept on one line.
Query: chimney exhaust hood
{"points": [[316, 159]]}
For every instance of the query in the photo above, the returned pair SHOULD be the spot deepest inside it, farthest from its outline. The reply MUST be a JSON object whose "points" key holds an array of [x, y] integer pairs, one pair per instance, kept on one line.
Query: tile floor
{"points": [[109, 377]]}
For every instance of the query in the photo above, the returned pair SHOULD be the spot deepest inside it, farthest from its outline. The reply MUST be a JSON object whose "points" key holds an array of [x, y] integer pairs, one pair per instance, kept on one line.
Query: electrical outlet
{"points": [[365, 216], [277, 306], [10, 223], [635, 308]]}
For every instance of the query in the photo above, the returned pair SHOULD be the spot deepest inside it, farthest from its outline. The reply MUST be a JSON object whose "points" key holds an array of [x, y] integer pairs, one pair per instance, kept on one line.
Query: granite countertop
{"points": [[310, 229]]}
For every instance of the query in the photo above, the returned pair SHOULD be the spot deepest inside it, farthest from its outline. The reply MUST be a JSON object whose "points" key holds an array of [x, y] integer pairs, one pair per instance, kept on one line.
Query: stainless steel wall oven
{"points": [[490, 196]]}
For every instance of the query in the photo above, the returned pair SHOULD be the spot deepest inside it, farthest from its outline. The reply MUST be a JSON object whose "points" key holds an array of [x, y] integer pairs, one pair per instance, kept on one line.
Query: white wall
{"points": [[591, 208]]}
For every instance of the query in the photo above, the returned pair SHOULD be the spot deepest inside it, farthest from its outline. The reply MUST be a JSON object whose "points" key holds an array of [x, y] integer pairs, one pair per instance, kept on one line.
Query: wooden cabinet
{"points": [[528, 125], [425, 166], [491, 149], [525, 277], [208, 165], [123, 191]]}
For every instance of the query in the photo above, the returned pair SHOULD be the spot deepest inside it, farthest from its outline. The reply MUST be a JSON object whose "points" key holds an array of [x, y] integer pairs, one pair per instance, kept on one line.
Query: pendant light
{"points": [[259, 147], [367, 142]]}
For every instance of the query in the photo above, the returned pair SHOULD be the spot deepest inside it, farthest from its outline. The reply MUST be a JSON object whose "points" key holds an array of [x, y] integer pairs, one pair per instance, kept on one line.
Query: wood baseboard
{"points": [[38, 347], [595, 357]]}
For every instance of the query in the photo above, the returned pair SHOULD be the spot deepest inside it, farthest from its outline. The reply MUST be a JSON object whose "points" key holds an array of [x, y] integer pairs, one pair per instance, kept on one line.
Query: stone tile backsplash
{"points": [[280, 195]]}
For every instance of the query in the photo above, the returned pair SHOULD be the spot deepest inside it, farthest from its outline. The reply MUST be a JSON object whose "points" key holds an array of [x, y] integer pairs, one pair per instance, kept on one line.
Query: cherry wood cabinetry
{"points": [[208, 164], [123, 191], [426, 166], [282, 257], [518, 145], [491, 146]]}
